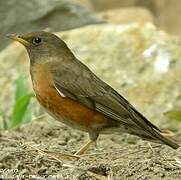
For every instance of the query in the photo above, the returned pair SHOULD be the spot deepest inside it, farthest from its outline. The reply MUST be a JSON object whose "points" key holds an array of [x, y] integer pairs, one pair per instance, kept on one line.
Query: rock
{"points": [[127, 15], [139, 61], [34, 15]]}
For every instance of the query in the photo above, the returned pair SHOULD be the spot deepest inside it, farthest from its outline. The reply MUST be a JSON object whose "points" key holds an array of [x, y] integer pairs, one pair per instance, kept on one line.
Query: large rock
{"points": [[31, 15], [141, 62]]}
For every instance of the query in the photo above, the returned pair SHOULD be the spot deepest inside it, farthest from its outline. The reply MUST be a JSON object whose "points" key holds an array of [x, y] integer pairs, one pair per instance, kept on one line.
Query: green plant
{"points": [[21, 113], [174, 114]]}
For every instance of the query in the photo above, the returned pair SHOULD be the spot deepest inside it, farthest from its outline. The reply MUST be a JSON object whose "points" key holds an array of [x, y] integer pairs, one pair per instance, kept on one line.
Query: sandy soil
{"points": [[43, 149]]}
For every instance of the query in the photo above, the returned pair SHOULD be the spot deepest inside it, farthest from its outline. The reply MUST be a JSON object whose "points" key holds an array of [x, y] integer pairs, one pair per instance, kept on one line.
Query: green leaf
{"points": [[20, 88], [19, 109], [174, 115]]}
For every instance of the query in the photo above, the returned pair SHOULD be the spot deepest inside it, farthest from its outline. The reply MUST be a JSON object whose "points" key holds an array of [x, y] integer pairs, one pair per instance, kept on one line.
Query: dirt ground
{"points": [[43, 149]]}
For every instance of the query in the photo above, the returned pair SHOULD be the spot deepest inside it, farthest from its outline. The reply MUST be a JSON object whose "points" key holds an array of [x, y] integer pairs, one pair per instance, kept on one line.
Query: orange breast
{"points": [[63, 108]]}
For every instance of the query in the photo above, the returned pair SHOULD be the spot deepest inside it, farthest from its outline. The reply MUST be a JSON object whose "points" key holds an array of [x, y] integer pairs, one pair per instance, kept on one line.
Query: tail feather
{"points": [[156, 137], [166, 140], [150, 132]]}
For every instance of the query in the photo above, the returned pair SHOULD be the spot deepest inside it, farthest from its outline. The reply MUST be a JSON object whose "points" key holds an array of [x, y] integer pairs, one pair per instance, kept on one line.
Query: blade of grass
{"points": [[174, 115], [19, 109]]}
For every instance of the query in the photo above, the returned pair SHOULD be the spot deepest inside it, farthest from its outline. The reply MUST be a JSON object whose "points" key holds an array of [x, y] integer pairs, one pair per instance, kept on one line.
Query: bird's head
{"points": [[41, 45]]}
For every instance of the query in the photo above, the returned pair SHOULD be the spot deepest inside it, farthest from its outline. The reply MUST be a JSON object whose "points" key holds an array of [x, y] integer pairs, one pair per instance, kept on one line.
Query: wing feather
{"points": [[86, 88]]}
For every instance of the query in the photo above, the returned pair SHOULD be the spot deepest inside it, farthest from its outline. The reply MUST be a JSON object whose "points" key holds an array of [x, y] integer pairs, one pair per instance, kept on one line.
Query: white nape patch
{"points": [[61, 94], [162, 62]]}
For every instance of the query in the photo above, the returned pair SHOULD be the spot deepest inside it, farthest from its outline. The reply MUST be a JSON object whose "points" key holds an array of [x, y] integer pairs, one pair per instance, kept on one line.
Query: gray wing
{"points": [[86, 88]]}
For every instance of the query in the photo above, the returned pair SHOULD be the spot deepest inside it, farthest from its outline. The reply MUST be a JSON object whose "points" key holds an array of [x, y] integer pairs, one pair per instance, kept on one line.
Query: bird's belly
{"points": [[69, 111]]}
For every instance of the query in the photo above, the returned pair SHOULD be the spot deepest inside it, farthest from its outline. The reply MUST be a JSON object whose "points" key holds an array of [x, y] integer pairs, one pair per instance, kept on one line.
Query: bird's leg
{"points": [[93, 134], [85, 147]]}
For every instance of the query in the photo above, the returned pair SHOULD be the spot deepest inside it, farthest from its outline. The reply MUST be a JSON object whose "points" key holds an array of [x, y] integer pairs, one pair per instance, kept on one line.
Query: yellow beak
{"points": [[18, 38]]}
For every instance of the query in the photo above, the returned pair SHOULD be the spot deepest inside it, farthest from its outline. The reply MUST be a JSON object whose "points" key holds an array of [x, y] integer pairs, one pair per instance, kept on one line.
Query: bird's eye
{"points": [[37, 41]]}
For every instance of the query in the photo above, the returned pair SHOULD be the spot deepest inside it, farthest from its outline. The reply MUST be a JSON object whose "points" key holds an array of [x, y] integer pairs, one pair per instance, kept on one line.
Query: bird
{"points": [[72, 94]]}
